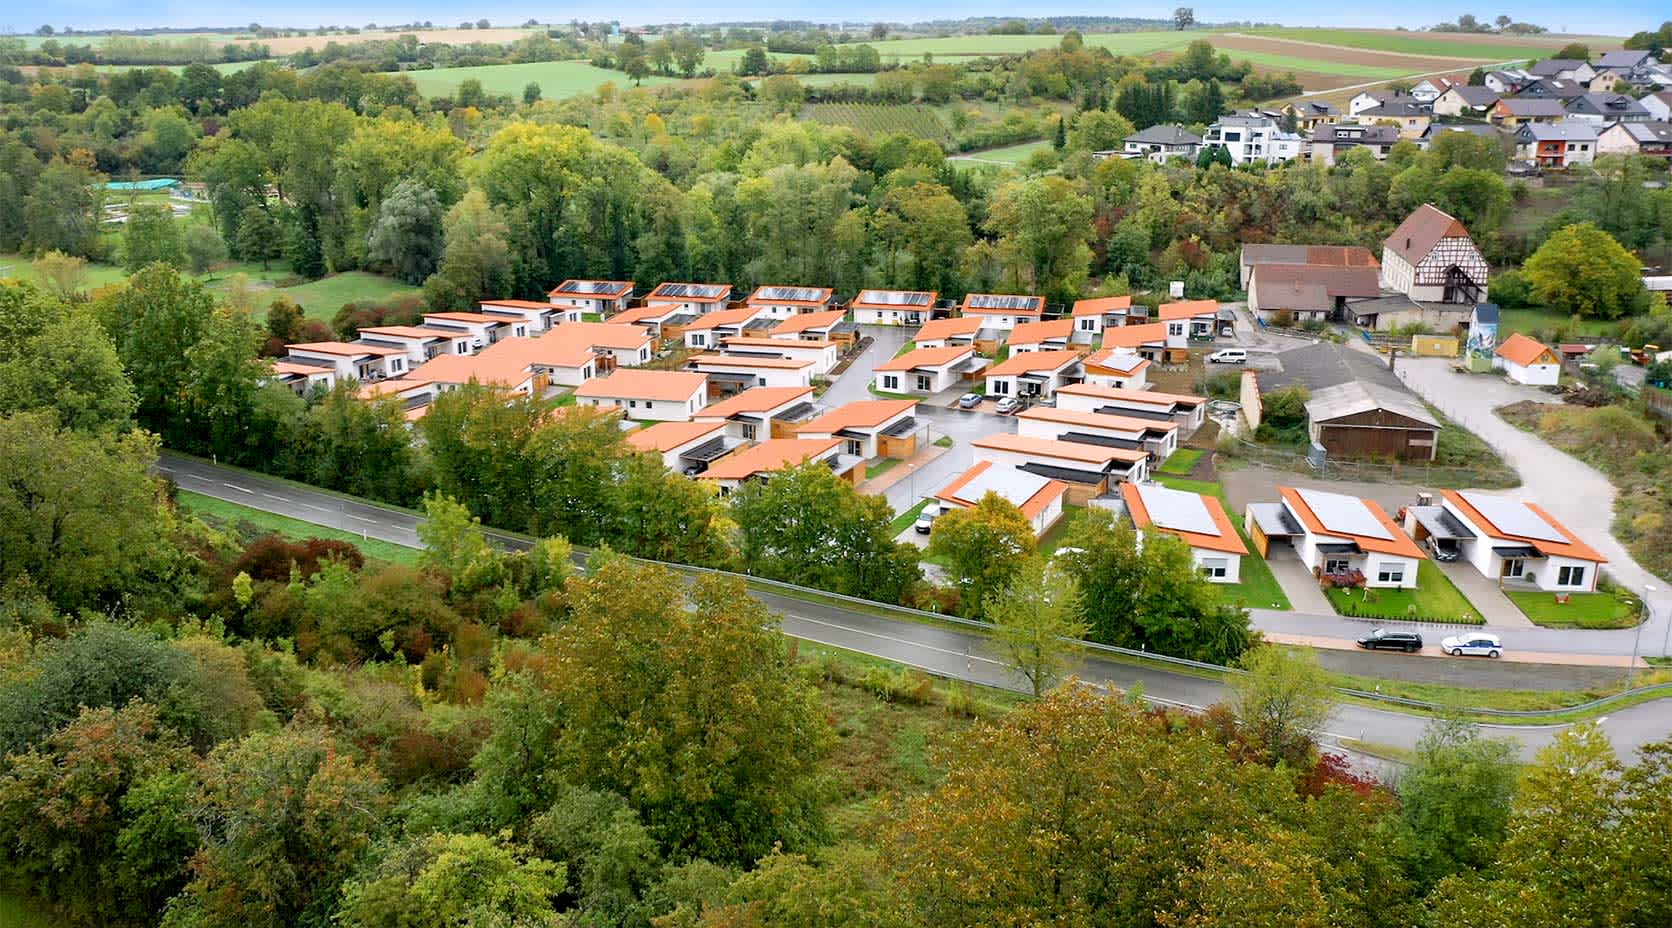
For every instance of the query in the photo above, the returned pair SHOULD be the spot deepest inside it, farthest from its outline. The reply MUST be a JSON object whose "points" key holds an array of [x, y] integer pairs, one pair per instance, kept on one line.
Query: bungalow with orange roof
{"points": [[1188, 411], [893, 307], [1188, 319], [421, 342], [1034, 374], [1123, 368], [1148, 340], [695, 299], [829, 325], [939, 333], [1092, 316], [760, 462], [301, 378], [664, 321], [351, 360], [415, 394], [604, 297], [708, 329], [1196, 519], [1529, 361], [522, 366], [1513, 542], [760, 413], [661, 396], [1001, 312], [824, 355], [1040, 336], [685, 447], [1158, 438], [869, 428], [483, 330], [1088, 469], [1039, 498], [925, 371], [786, 302], [730, 373], [1345, 540], [614, 345], [528, 318]]}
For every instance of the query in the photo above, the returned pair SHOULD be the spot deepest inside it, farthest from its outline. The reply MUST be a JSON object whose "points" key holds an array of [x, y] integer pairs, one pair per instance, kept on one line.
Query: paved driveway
{"points": [[855, 382]]}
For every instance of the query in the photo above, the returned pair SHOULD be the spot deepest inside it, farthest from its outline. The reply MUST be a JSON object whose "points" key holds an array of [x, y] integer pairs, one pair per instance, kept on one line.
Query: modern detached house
{"points": [[1162, 143], [1039, 498], [828, 325], [893, 307], [1431, 259], [925, 371], [940, 333], [662, 396], [1513, 542], [1344, 539], [1089, 470], [1092, 316], [1051, 335], [694, 299], [686, 447], [604, 297], [1034, 374], [784, 302], [356, 360], [869, 428], [1196, 519], [1188, 411], [1001, 312], [762, 412], [776, 455]]}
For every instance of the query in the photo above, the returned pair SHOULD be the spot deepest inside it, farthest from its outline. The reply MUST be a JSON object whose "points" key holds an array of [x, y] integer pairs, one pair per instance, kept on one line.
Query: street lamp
{"points": [[1648, 613]]}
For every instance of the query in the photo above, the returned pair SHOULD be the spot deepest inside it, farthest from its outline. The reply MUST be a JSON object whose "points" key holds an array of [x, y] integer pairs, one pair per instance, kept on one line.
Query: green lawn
{"points": [[884, 394], [557, 79], [1435, 599], [233, 514], [1009, 154], [323, 297], [1582, 610], [1181, 461], [1413, 43], [878, 468], [905, 519], [1527, 321], [1052, 539]]}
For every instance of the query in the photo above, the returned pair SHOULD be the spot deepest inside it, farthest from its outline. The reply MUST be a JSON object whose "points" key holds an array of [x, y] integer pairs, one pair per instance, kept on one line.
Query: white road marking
{"points": [[363, 519], [320, 508], [237, 487], [905, 641]]}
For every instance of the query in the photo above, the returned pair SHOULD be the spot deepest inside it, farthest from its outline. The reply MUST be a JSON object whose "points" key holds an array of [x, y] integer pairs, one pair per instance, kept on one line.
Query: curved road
{"points": [[948, 652]]}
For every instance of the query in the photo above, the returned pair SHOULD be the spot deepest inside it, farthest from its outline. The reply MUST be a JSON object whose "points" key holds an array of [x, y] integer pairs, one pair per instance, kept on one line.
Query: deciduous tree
{"points": [[1282, 701], [1036, 618], [984, 547], [1583, 270]]}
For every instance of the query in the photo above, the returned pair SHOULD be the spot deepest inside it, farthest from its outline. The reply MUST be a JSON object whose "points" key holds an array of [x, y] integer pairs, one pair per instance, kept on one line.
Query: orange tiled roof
{"points": [[1032, 506], [925, 357], [1519, 349], [755, 399], [1148, 397], [633, 383], [1227, 540], [937, 329], [666, 436], [1102, 420], [1398, 543], [1186, 309], [1024, 361], [863, 414], [768, 456], [1573, 547], [801, 322], [1029, 333], [1061, 450], [1100, 305]]}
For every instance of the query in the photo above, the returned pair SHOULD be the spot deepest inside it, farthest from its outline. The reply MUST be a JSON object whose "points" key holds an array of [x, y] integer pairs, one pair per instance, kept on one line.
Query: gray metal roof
{"points": [[1274, 520], [1440, 522], [1165, 135], [1355, 397], [1562, 130]]}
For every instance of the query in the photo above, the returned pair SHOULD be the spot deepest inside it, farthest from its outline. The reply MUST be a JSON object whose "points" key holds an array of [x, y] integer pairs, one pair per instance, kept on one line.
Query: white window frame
{"points": [[1570, 575], [1215, 567], [1390, 573]]}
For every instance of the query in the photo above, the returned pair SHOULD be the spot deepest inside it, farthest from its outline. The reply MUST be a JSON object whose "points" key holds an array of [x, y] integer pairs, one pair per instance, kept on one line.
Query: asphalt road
{"points": [[947, 652]]}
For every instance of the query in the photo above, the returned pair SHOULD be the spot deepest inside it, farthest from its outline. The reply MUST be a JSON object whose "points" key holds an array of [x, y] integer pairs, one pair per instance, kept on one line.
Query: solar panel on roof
{"points": [[798, 294], [894, 297], [1344, 514], [1512, 517], [697, 291], [1010, 484], [588, 286], [1001, 301], [1178, 510]]}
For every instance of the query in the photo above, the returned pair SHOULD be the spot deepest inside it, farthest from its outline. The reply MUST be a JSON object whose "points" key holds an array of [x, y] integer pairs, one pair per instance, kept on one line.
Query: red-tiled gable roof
{"points": [[1397, 543], [392, 387], [1099, 420], [598, 335], [345, 349], [743, 360], [632, 383], [1187, 309], [643, 313], [1048, 492], [1421, 231], [760, 296], [1100, 305], [925, 357], [1026, 361], [1060, 450], [617, 289], [864, 414], [1029, 333], [801, 322], [477, 318], [407, 331], [518, 304], [722, 317], [1134, 336], [771, 455], [1519, 349], [1227, 540], [1147, 397], [1573, 547], [296, 369], [756, 399], [666, 436], [937, 329]]}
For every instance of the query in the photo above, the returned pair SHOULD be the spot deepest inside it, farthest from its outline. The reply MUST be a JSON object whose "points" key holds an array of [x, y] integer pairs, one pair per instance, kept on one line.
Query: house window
{"points": [[1001, 387], [1214, 567], [696, 339], [749, 433], [890, 382], [1175, 328], [760, 381], [853, 446], [1390, 573], [1088, 325], [632, 404], [522, 330], [1514, 567], [924, 383], [1337, 565], [1570, 576]]}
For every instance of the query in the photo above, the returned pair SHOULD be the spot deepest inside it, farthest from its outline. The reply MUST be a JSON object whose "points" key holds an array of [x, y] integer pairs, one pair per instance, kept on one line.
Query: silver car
{"points": [[1473, 644]]}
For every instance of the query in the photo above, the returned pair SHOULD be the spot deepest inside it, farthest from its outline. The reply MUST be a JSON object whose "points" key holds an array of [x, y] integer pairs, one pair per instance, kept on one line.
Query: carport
{"points": [[704, 454], [1270, 522]]}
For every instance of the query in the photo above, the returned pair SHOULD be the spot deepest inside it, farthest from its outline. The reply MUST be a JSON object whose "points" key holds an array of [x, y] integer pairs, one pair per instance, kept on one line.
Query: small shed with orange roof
{"points": [[1529, 361]]}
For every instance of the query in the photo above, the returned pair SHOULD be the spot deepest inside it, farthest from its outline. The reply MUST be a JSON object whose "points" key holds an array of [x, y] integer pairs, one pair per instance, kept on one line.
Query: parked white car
{"points": [[926, 518], [1473, 644], [1229, 356]]}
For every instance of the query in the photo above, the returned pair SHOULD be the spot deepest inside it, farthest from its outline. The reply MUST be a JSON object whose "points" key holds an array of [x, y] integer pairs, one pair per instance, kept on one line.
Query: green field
{"points": [[1582, 610], [1417, 43], [232, 514], [1009, 154], [1527, 321], [1298, 64], [1435, 599], [875, 119], [557, 79]]}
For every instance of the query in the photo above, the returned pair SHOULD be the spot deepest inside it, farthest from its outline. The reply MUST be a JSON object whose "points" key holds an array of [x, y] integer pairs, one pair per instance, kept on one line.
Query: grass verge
{"points": [[1181, 462], [905, 519], [234, 516], [1435, 599], [1582, 610], [881, 467]]}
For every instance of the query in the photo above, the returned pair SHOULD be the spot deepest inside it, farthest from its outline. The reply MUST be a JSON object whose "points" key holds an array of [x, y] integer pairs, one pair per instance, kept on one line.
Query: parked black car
{"points": [[1443, 549], [1396, 641]]}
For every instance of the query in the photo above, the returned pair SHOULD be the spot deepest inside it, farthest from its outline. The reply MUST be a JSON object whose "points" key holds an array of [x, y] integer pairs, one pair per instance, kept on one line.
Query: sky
{"points": [[1621, 17]]}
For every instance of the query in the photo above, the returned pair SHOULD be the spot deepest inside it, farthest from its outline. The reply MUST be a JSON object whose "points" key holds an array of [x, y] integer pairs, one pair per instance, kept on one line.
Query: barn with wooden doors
{"points": [[1358, 419]]}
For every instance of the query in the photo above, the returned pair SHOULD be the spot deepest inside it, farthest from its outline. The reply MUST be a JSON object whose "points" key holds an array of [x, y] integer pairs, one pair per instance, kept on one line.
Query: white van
{"points": [[1229, 356]]}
